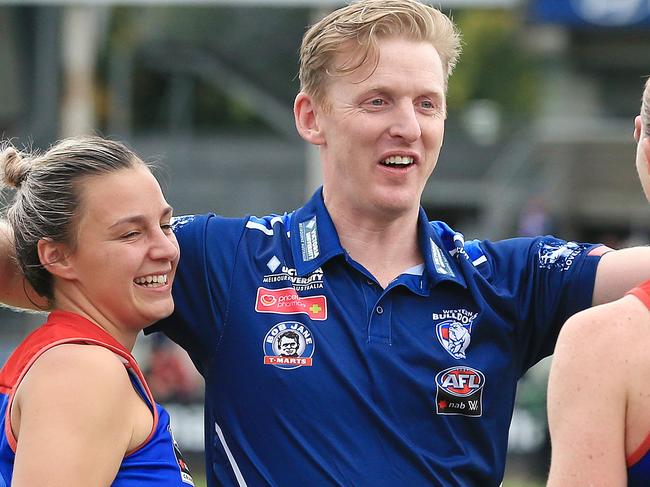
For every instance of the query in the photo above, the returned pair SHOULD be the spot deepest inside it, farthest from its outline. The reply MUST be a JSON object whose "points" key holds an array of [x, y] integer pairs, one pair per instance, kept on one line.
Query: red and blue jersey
{"points": [[156, 462], [638, 463], [316, 375]]}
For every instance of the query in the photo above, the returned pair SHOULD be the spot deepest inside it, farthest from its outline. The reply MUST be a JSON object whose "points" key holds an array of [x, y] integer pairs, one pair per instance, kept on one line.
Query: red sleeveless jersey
{"points": [[157, 462]]}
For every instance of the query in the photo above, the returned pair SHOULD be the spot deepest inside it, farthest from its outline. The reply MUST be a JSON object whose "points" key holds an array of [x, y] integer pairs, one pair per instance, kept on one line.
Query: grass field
{"points": [[521, 482], [199, 481], [517, 474]]}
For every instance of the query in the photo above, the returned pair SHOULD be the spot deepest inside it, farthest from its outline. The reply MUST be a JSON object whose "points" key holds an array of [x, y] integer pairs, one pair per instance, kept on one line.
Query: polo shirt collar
{"points": [[314, 241], [441, 248]]}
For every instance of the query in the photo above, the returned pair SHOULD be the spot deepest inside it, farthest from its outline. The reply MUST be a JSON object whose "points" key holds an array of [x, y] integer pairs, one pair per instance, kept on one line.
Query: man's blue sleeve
{"points": [[201, 286], [541, 282]]}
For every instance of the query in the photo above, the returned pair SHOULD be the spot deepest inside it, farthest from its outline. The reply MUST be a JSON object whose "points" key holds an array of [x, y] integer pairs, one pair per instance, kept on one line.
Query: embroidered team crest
{"points": [[180, 221], [454, 331], [288, 345], [558, 255]]}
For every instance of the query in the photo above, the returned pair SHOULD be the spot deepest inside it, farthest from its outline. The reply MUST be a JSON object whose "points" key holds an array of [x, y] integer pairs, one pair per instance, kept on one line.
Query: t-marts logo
{"points": [[454, 330], [460, 391], [286, 301], [288, 345]]}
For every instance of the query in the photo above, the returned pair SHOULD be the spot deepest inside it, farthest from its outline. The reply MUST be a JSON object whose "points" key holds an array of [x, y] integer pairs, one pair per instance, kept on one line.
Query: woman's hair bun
{"points": [[14, 166]]}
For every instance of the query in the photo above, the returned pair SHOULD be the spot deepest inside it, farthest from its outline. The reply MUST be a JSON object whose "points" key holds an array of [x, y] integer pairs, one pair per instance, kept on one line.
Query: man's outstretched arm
{"points": [[619, 271]]}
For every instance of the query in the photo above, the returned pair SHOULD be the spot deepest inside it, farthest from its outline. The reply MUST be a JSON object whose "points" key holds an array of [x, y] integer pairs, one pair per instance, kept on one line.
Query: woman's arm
{"points": [[72, 418], [587, 398]]}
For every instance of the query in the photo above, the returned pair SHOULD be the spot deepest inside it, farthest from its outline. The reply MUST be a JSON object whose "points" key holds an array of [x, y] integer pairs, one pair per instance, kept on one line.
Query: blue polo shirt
{"points": [[316, 376]]}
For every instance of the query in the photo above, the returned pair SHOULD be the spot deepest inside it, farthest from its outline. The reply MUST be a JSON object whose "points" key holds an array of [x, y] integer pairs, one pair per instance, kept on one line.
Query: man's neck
{"points": [[386, 247]]}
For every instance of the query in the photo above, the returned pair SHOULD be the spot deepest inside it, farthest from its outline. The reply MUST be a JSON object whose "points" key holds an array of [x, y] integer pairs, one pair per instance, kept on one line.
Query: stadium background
{"points": [[538, 140]]}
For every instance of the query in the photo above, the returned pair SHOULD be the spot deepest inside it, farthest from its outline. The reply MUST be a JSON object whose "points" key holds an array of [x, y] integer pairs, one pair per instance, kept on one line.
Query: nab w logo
{"points": [[473, 405]]}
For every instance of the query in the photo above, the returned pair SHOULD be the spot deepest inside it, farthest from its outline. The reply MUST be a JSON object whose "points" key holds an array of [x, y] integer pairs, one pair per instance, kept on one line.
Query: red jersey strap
{"points": [[639, 453], [63, 327], [642, 291]]}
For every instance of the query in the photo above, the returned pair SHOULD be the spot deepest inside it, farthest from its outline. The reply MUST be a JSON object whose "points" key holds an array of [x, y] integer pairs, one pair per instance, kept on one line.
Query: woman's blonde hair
{"points": [[46, 203]]}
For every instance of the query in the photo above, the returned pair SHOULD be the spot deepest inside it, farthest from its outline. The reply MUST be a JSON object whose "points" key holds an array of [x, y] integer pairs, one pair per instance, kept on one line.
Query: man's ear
{"points": [[54, 256], [645, 148], [637, 128], [306, 117]]}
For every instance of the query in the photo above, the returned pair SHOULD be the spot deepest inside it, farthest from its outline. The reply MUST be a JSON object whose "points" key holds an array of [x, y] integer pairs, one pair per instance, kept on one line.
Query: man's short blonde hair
{"points": [[361, 25]]}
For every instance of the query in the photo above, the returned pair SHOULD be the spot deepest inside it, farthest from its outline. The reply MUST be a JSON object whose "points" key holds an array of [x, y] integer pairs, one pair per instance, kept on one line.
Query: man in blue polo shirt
{"points": [[405, 341], [352, 342]]}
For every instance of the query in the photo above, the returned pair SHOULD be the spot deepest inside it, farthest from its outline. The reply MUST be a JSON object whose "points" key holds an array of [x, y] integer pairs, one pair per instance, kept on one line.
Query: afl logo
{"points": [[288, 345], [460, 381]]}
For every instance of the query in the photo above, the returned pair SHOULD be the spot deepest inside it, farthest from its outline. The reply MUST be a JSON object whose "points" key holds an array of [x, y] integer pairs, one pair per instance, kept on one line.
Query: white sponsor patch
{"points": [[300, 283], [273, 263], [440, 261], [309, 239]]}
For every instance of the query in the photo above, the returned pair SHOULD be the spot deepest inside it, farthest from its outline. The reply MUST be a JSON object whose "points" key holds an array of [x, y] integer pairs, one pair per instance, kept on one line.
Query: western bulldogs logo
{"points": [[288, 345], [454, 336], [454, 332]]}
